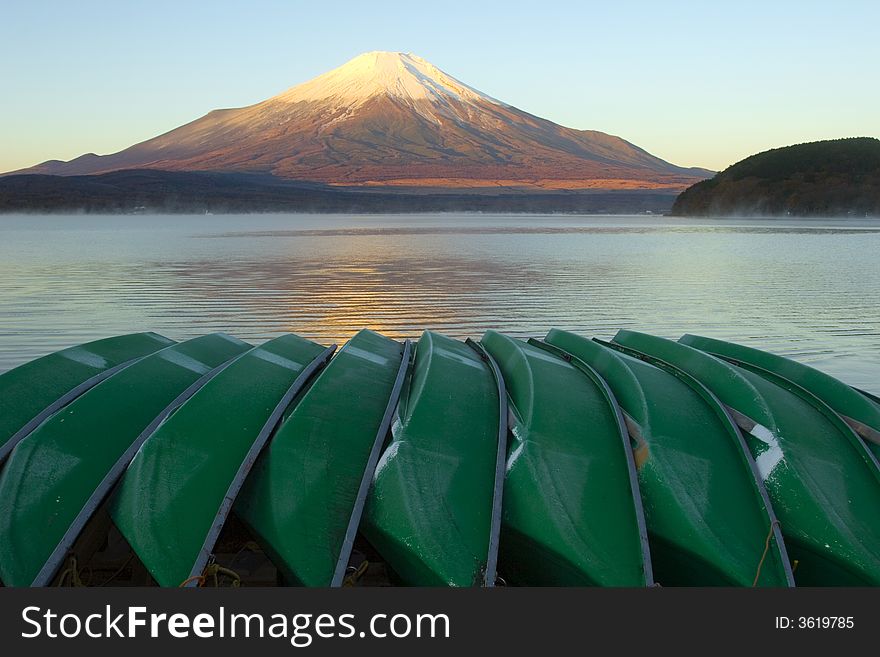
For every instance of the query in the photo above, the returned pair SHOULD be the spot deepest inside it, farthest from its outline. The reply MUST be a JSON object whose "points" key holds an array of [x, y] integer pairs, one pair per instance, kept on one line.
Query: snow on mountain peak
{"points": [[403, 75]]}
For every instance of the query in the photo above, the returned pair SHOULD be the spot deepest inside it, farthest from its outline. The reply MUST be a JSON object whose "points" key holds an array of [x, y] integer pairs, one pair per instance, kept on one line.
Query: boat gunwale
{"points": [[623, 433], [370, 467], [247, 463], [712, 406], [428, 359], [794, 371], [105, 487], [816, 402], [733, 430], [491, 574]]}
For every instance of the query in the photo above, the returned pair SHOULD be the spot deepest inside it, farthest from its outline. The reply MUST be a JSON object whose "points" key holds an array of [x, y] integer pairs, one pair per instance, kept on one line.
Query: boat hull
{"points": [[303, 491], [707, 512], [822, 483], [429, 511], [571, 513], [176, 494], [83, 449], [857, 409], [31, 392]]}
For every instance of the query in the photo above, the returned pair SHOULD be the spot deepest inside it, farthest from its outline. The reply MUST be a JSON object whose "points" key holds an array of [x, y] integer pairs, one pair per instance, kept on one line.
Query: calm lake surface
{"points": [[806, 289]]}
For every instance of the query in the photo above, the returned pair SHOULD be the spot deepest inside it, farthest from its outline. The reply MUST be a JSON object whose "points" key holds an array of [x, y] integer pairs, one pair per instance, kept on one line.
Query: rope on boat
{"points": [[72, 574], [773, 525], [355, 573], [213, 571]]}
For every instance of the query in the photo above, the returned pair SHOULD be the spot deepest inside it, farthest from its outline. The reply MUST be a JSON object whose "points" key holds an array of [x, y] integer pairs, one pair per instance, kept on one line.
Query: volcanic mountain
{"points": [[393, 120]]}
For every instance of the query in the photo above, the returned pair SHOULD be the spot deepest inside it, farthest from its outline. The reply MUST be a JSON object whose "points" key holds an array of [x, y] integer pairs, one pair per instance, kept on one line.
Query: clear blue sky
{"points": [[697, 83]]}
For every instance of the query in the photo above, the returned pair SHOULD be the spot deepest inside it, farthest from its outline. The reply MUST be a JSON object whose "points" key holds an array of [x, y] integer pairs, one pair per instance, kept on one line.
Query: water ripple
{"points": [[808, 290]]}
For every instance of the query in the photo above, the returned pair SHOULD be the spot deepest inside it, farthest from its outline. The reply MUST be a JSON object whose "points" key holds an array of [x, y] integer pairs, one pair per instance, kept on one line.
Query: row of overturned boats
{"points": [[561, 461]]}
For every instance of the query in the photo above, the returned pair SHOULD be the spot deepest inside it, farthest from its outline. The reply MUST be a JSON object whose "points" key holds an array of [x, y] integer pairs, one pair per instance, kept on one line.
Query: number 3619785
{"points": [[814, 622]]}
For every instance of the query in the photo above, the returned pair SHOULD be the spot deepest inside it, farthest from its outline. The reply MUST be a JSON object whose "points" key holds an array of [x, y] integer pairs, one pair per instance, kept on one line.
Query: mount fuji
{"points": [[393, 121]]}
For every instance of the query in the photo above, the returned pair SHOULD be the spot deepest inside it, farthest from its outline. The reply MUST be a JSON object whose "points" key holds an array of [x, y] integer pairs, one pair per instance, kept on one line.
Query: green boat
{"points": [[572, 513], [175, 496], [429, 511], [707, 512], [81, 451], [857, 409], [822, 481], [304, 498], [32, 392]]}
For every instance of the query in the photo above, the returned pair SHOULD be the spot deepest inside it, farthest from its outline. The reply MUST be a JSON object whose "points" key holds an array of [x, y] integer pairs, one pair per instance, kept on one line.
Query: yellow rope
{"points": [[71, 574], [766, 550], [352, 579], [217, 569], [199, 578], [213, 571]]}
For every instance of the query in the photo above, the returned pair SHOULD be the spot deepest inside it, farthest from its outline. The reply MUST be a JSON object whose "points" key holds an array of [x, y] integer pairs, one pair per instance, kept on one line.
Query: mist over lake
{"points": [[804, 289]]}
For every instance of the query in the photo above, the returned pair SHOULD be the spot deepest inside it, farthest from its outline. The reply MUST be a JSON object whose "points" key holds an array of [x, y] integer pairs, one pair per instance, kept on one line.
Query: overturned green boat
{"points": [[305, 496], [82, 451], [34, 391], [821, 479], [858, 409], [178, 491], [708, 514], [572, 512], [429, 510], [564, 461]]}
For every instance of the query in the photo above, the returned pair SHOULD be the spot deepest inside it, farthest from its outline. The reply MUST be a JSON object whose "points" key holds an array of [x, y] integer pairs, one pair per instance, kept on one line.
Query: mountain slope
{"points": [[838, 177], [393, 119]]}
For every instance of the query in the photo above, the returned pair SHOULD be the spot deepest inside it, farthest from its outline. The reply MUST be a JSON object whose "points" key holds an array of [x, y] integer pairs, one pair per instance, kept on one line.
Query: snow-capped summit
{"points": [[402, 75], [393, 119]]}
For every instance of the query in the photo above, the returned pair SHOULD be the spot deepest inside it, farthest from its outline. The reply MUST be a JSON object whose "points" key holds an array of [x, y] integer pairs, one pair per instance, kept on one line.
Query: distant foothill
{"points": [[834, 178]]}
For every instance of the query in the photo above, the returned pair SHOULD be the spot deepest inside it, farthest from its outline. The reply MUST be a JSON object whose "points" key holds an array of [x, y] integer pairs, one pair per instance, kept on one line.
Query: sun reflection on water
{"points": [[804, 289]]}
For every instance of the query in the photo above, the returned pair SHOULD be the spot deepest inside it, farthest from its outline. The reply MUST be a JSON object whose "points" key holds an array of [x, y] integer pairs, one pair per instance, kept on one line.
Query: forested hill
{"points": [[839, 177]]}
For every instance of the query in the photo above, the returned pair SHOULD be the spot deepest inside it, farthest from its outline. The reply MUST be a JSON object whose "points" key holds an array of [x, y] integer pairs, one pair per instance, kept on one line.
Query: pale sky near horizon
{"points": [[698, 84]]}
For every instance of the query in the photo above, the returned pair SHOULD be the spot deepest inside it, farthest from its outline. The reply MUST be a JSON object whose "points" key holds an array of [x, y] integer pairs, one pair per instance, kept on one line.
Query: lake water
{"points": [[806, 289]]}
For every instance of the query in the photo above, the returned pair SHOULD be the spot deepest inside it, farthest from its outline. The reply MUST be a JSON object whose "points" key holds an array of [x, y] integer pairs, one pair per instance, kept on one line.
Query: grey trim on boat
{"points": [[869, 434], [250, 458], [491, 573], [741, 420], [632, 427], [725, 412], [370, 469], [622, 431], [60, 403], [47, 572]]}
